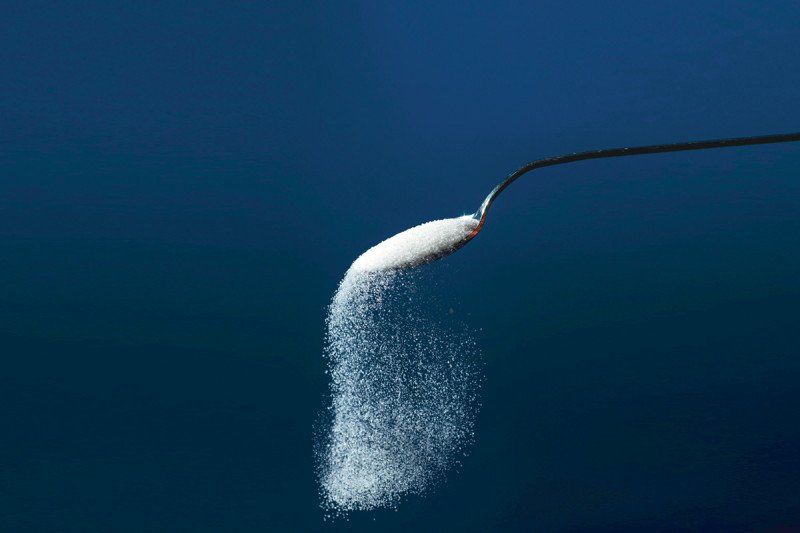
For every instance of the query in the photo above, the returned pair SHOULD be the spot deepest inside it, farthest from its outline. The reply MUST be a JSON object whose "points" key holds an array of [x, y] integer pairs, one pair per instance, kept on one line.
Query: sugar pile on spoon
{"points": [[403, 385], [418, 245]]}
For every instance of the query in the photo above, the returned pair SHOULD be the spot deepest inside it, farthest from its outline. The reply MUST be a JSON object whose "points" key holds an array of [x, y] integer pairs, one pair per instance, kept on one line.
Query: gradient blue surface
{"points": [[182, 185]]}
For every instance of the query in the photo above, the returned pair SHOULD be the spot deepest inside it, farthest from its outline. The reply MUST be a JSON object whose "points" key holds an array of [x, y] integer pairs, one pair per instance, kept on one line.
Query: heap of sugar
{"points": [[417, 245], [403, 384]]}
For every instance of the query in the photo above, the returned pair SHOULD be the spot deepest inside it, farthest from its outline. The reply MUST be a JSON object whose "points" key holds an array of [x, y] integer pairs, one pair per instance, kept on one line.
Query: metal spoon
{"points": [[428, 242]]}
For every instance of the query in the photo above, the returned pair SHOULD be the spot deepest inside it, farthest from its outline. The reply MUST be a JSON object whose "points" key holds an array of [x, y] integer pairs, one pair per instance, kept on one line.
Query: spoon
{"points": [[434, 240]]}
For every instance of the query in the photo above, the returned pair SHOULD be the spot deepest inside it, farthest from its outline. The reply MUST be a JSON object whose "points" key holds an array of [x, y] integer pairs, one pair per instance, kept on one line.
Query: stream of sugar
{"points": [[403, 383]]}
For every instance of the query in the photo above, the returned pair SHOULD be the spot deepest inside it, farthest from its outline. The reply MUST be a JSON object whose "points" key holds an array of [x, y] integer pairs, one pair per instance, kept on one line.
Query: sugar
{"points": [[418, 244], [403, 386]]}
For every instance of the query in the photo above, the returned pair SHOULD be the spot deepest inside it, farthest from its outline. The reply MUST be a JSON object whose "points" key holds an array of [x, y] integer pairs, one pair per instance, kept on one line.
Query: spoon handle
{"points": [[619, 152]]}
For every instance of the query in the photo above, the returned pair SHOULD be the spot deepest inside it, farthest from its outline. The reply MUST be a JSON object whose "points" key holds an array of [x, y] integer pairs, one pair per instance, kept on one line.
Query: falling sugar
{"points": [[403, 386]]}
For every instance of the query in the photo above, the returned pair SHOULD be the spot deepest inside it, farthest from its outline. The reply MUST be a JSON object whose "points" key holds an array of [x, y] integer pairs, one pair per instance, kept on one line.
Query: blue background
{"points": [[182, 185]]}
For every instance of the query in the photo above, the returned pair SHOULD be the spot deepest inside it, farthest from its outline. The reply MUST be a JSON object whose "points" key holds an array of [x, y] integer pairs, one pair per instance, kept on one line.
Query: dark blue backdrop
{"points": [[182, 185]]}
